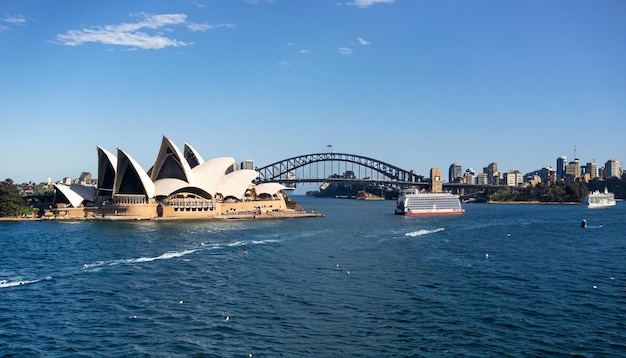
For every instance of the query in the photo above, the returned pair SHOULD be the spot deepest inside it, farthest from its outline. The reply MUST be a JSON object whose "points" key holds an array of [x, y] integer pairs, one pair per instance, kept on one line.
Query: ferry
{"points": [[412, 203], [597, 199]]}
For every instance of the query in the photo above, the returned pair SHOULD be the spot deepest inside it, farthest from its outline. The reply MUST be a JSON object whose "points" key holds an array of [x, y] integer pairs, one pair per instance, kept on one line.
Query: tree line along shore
{"points": [[13, 204]]}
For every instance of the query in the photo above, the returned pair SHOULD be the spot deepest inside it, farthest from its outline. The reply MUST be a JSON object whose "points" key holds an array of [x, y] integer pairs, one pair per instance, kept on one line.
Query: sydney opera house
{"points": [[180, 185]]}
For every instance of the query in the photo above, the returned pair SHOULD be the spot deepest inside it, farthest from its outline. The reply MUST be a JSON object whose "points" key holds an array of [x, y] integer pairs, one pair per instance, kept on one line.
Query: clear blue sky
{"points": [[417, 84]]}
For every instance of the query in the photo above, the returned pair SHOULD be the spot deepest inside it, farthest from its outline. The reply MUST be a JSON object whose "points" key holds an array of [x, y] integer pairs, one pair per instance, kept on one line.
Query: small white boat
{"points": [[598, 199]]}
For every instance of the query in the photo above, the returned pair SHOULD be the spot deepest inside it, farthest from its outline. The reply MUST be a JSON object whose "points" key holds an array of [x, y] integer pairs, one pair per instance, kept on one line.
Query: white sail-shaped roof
{"points": [[236, 183], [208, 175], [128, 170], [88, 192], [76, 194], [165, 187], [269, 188], [109, 156], [107, 170], [171, 164], [173, 172], [192, 156]]}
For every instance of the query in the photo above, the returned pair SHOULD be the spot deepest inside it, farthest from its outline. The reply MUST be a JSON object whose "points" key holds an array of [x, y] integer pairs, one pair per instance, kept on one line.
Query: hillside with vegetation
{"points": [[558, 192], [11, 202]]}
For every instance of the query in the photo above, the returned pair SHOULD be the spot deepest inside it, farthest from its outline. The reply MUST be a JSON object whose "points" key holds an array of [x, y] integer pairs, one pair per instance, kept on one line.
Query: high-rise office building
{"points": [[469, 177], [492, 173], [613, 168], [481, 179], [572, 169], [455, 173], [592, 169], [561, 163], [514, 178]]}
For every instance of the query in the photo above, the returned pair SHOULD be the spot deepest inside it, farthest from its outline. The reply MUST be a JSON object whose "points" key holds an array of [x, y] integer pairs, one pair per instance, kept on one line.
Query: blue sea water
{"points": [[500, 280]]}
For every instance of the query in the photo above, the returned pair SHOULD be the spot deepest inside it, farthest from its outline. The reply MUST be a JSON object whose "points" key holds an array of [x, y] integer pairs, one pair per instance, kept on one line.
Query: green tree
{"points": [[614, 185], [11, 203], [557, 192]]}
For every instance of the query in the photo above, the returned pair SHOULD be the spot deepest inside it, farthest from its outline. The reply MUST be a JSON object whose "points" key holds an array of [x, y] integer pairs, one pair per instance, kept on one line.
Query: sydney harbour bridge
{"points": [[322, 167], [344, 168]]}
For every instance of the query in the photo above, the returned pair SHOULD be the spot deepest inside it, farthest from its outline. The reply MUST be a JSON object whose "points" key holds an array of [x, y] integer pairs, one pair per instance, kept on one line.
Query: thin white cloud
{"points": [[367, 3], [12, 21], [15, 20], [205, 26], [198, 27], [304, 51], [284, 63], [349, 50], [145, 33], [345, 51]]}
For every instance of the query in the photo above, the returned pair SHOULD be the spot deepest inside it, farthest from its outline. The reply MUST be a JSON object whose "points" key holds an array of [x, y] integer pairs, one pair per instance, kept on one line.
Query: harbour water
{"points": [[499, 280]]}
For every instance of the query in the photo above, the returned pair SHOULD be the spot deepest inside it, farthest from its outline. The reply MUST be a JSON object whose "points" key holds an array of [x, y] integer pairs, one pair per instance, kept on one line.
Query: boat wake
{"points": [[7, 283], [165, 256], [244, 243], [174, 254], [423, 232], [99, 265]]}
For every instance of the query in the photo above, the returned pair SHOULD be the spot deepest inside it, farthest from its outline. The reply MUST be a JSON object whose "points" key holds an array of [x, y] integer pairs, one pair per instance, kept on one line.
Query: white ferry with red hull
{"points": [[412, 203]]}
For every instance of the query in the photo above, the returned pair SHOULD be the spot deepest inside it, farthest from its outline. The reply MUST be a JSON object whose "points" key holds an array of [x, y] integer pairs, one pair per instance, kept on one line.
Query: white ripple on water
{"points": [[7, 283], [165, 256], [175, 254], [423, 232], [129, 261], [250, 242]]}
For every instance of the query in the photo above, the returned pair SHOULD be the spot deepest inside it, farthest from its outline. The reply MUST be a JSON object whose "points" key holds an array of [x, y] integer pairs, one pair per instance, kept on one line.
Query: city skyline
{"points": [[415, 84], [600, 168]]}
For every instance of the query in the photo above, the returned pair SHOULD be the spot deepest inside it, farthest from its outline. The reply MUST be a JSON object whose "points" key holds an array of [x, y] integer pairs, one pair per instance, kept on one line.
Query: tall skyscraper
{"points": [[573, 169], [561, 163], [455, 173], [592, 169], [613, 168], [492, 173], [513, 178]]}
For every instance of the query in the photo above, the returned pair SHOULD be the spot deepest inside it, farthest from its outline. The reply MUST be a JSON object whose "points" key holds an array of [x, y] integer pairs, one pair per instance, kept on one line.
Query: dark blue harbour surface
{"points": [[500, 280]]}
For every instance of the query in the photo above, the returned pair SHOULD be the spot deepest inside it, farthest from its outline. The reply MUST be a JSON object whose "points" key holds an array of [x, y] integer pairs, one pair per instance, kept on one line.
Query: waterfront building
{"points": [[247, 164], [84, 178], [592, 169], [533, 180], [180, 184], [561, 163], [572, 169], [469, 176], [514, 178], [455, 173], [613, 168], [545, 174], [492, 173], [481, 179]]}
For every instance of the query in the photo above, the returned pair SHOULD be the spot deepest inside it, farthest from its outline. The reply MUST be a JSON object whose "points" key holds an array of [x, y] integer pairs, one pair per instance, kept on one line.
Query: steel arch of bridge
{"points": [[278, 172]]}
